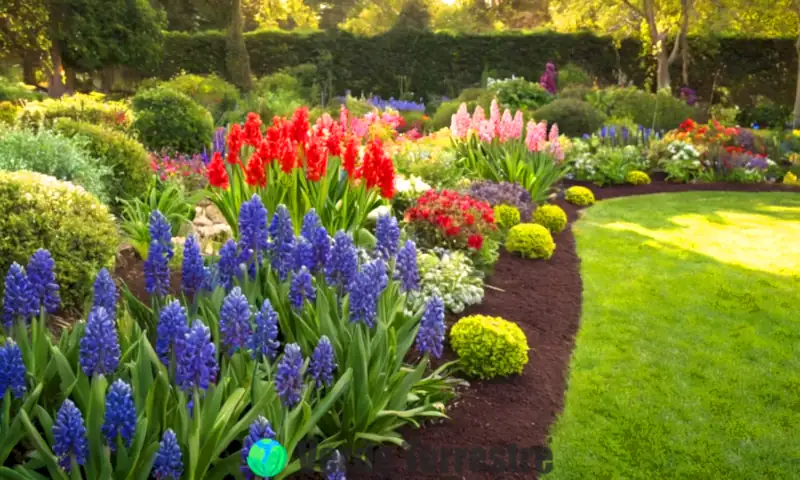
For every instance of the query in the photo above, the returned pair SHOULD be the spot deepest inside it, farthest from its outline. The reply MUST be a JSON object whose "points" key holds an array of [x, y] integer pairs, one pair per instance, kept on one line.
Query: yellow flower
{"points": [[791, 179]]}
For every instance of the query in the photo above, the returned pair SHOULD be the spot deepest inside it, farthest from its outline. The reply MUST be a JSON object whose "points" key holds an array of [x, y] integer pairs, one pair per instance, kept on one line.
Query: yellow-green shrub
{"points": [[580, 196], [85, 108], [637, 177], [8, 113], [489, 346], [42, 212], [551, 217], [530, 241], [127, 158], [506, 216]]}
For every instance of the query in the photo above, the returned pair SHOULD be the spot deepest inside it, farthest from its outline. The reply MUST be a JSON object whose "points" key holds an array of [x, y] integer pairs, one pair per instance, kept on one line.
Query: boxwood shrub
{"points": [[489, 346], [170, 120], [125, 157], [40, 211]]}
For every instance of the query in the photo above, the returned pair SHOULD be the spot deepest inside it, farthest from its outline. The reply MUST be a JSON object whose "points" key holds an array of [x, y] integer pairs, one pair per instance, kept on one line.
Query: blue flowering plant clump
{"points": [[290, 334], [305, 312]]}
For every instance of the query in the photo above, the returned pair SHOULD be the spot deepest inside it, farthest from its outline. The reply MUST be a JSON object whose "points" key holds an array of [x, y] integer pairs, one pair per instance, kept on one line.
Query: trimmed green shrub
{"points": [[637, 177], [212, 92], [506, 216], [55, 155], [444, 114], [518, 93], [489, 347], [574, 117], [580, 196], [127, 158], [530, 241], [472, 94], [660, 111], [551, 217], [85, 108], [170, 120], [766, 113], [42, 212], [12, 91], [8, 113], [577, 92], [571, 75]]}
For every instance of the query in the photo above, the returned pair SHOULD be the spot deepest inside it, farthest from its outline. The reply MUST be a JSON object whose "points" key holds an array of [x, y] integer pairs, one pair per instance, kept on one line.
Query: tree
{"points": [[654, 21], [237, 59], [25, 33], [415, 15], [332, 12]]}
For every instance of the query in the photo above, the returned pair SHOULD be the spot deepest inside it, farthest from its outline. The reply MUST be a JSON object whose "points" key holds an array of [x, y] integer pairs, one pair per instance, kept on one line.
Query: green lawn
{"points": [[687, 361]]}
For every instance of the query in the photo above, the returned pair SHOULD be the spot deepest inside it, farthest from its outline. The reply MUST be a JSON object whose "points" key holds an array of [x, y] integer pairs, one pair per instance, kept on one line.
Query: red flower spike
{"points": [[235, 140], [252, 130], [350, 157], [300, 125], [254, 173], [287, 152], [217, 175], [316, 159]]}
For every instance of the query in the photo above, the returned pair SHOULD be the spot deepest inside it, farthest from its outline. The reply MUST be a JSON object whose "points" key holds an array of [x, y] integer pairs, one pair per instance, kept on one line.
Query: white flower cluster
{"points": [[412, 186], [683, 152], [495, 81], [451, 277]]}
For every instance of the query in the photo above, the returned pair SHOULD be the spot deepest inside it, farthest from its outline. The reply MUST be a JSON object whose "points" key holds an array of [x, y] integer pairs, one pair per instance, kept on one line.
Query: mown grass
{"points": [[687, 361]]}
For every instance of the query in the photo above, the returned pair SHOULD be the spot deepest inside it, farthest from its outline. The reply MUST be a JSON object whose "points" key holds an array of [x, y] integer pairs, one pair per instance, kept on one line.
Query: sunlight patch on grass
{"points": [[743, 239]]}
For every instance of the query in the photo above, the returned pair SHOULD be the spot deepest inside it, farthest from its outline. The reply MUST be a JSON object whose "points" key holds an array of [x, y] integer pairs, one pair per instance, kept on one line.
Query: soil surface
{"points": [[498, 429]]}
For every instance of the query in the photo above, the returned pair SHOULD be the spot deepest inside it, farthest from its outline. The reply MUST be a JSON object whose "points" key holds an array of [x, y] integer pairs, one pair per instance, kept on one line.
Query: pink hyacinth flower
{"points": [[460, 122], [516, 131], [486, 131], [505, 129], [478, 117], [537, 134], [553, 133], [495, 112], [343, 115]]}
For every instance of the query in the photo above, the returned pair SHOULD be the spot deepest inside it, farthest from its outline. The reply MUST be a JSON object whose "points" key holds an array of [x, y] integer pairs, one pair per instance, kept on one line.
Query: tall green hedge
{"points": [[444, 64]]}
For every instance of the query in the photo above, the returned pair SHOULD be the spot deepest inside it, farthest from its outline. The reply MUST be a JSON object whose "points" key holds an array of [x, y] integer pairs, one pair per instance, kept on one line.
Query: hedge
{"points": [[444, 64]]}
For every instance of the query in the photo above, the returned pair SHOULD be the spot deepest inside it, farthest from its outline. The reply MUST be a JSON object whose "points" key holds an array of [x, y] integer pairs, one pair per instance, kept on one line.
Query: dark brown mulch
{"points": [[129, 270], [498, 429]]}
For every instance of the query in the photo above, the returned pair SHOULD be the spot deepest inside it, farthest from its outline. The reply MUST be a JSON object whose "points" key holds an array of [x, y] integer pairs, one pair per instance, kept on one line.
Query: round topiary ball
{"points": [[552, 217], [506, 216], [169, 120], [637, 177], [489, 346], [72, 224], [530, 241], [580, 196]]}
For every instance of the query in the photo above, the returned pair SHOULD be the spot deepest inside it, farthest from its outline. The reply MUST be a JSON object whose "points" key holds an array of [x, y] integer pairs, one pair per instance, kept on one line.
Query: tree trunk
{"points": [[664, 80], [55, 86], [29, 69], [796, 119], [685, 58], [71, 79], [107, 76], [237, 59]]}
